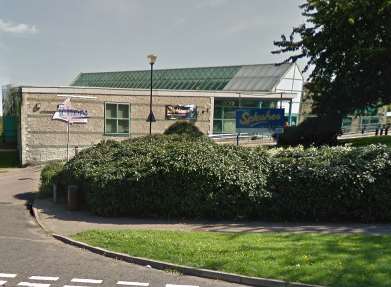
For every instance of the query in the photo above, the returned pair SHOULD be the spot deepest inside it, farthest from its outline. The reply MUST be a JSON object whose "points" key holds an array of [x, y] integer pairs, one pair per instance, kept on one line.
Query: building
{"points": [[117, 104], [368, 121]]}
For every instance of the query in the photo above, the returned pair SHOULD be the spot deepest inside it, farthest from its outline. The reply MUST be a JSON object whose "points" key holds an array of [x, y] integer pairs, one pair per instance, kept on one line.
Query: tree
{"points": [[348, 42]]}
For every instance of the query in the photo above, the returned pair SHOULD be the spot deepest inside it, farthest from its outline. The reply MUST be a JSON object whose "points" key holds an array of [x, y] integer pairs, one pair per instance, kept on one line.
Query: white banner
{"points": [[66, 113]]}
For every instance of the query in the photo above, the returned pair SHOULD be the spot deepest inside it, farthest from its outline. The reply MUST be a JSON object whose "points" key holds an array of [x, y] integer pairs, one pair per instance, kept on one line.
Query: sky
{"points": [[49, 42]]}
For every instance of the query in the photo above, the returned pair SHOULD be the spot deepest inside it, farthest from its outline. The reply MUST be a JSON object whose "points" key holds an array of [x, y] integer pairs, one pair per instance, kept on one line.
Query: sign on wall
{"points": [[181, 112], [66, 113], [259, 120]]}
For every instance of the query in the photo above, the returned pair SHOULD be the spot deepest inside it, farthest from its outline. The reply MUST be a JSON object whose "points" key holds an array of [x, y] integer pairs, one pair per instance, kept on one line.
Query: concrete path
{"points": [[29, 257], [58, 219]]}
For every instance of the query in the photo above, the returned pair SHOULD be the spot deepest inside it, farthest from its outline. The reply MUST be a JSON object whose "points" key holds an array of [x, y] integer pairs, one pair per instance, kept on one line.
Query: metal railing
{"points": [[243, 139]]}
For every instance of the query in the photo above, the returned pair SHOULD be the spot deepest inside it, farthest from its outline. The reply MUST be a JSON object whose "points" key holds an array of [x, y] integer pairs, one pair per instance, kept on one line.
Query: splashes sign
{"points": [[255, 120]]}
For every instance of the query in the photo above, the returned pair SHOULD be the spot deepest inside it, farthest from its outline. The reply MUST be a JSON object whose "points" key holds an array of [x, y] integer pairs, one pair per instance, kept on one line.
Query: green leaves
{"points": [[176, 177], [348, 44]]}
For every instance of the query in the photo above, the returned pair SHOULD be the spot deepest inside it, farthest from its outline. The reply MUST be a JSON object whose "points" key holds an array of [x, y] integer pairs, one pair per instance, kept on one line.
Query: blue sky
{"points": [[48, 42]]}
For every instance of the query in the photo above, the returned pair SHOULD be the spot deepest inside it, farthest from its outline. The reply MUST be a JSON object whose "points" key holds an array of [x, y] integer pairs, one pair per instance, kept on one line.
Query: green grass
{"points": [[331, 260], [8, 159], [368, 140]]}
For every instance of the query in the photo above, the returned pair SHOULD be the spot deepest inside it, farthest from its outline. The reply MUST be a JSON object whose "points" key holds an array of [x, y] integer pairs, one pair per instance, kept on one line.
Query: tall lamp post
{"points": [[151, 117]]}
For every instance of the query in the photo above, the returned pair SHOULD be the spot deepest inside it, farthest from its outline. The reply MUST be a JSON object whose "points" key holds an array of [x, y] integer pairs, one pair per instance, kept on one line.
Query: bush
{"points": [[173, 176], [332, 184], [165, 176], [50, 174], [313, 131], [183, 128]]}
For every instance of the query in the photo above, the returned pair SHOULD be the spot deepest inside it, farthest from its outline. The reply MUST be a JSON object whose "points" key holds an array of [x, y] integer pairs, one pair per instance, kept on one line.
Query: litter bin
{"points": [[73, 198]]}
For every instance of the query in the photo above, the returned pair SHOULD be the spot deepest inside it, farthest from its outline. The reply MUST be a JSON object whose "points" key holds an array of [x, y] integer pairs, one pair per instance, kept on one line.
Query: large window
{"points": [[117, 119]]}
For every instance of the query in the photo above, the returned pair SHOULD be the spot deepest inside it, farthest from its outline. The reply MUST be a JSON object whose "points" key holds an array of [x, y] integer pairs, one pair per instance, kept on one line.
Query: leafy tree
{"points": [[348, 42]]}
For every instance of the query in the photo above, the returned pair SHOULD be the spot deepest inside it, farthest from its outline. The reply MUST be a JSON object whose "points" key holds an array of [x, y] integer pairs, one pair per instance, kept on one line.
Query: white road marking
{"points": [[28, 284], [44, 278], [92, 281], [2, 282], [127, 283], [74, 286], [174, 285], [7, 275]]}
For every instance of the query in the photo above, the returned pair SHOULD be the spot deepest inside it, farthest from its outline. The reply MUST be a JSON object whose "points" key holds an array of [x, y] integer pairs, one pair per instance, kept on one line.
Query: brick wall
{"points": [[43, 139]]}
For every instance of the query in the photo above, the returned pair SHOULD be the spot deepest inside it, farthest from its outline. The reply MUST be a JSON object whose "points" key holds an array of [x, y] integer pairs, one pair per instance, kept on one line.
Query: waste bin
{"points": [[73, 198]]}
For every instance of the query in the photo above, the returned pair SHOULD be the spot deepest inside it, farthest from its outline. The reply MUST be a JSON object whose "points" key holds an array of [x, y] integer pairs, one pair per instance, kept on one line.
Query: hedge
{"points": [[170, 176], [183, 177], [49, 175], [332, 184]]}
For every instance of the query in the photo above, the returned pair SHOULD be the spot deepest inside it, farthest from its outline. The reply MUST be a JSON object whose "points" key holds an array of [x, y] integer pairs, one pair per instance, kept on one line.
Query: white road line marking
{"points": [[174, 285], [74, 286], [92, 281], [7, 275], [127, 283], [28, 284], [2, 282], [44, 278]]}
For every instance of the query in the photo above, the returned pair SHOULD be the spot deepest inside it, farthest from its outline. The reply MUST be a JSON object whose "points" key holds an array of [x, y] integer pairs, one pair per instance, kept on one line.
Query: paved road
{"points": [[29, 257]]}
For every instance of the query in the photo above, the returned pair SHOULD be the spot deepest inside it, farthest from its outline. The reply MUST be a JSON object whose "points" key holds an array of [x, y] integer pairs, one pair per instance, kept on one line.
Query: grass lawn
{"points": [[8, 159], [332, 260], [368, 140]]}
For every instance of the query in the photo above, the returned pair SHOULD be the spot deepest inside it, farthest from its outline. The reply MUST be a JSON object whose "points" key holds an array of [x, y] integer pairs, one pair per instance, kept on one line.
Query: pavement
{"points": [[57, 219], [31, 257]]}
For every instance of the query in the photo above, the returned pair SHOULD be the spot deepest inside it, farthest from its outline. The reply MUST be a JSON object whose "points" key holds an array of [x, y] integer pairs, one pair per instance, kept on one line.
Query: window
{"points": [[117, 119], [224, 119]]}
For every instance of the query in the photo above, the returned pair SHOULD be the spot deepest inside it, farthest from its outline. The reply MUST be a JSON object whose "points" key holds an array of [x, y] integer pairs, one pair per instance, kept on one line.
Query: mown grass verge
{"points": [[331, 260], [367, 141]]}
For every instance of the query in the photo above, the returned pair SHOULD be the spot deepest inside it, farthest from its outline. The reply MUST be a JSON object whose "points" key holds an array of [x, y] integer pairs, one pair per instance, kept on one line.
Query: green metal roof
{"points": [[233, 78]]}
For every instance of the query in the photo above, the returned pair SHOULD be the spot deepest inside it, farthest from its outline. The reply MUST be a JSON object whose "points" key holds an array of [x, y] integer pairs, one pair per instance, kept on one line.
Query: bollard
{"points": [[76, 150]]}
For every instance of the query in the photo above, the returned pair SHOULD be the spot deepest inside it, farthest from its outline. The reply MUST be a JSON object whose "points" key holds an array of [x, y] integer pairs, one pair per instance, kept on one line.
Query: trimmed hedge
{"points": [[170, 176], [332, 184], [49, 175], [184, 177]]}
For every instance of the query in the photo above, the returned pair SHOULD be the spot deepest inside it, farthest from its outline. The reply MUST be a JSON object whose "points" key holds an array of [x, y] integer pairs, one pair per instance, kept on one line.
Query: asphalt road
{"points": [[26, 251]]}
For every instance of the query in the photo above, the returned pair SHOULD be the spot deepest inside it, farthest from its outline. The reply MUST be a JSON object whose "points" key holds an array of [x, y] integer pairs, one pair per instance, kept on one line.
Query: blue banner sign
{"points": [[251, 120]]}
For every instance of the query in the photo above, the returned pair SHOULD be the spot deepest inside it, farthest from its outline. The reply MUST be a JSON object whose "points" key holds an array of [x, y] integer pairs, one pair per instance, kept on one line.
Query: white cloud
{"points": [[10, 27]]}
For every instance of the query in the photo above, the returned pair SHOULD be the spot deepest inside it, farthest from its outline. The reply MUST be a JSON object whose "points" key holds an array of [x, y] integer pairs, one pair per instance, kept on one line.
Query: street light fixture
{"points": [[151, 117]]}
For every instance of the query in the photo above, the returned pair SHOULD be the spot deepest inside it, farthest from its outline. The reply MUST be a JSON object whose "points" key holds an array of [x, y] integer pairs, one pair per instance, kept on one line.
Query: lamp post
{"points": [[151, 118]]}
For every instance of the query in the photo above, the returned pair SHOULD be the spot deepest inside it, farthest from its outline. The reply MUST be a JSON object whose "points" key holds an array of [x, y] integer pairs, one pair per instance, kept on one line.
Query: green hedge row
{"points": [[170, 176], [184, 177], [50, 174], [332, 184]]}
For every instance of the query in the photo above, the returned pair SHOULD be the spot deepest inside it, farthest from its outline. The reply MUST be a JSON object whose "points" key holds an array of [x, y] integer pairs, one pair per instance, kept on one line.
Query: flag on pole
{"points": [[66, 113]]}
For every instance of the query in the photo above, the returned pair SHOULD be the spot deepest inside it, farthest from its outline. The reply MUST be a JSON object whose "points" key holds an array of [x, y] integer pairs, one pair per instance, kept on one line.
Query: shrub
{"points": [[313, 131], [183, 128], [50, 175], [166, 176], [184, 177], [332, 184]]}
